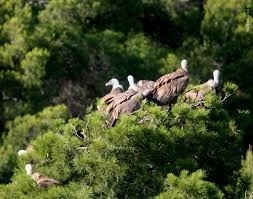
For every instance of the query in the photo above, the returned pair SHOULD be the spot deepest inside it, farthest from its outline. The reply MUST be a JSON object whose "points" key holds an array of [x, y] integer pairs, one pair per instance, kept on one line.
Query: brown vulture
{"points": [[198, 93], [126, 102], [168, 87], [116, 89], [41, 180]]}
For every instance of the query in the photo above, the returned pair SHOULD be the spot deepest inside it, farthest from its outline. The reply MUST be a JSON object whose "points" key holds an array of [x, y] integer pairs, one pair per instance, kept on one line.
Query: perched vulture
{"points": [[168, 87], [132, 85], [44, 181], [116, 89], [127, 102], [23, 152], [198, 93], [141, 85], [41, 180]]}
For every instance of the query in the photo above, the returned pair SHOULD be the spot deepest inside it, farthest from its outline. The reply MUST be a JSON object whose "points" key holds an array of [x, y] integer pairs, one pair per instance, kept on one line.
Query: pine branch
{"points": [[78, 133]]}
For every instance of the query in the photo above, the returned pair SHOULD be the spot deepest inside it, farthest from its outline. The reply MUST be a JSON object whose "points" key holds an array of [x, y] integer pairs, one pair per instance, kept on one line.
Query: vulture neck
{"points": [[216, 79], [28, 169], [132, 85], [184, 65], [117, 86], [185, 69]]}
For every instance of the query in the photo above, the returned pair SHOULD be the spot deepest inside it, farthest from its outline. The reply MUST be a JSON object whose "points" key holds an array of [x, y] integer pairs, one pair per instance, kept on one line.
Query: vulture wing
{"points": [[125, 107], [169, 77], [144, 85], [109, 97], [197, 93], [168, 87], [120, 98], [44, 181]]}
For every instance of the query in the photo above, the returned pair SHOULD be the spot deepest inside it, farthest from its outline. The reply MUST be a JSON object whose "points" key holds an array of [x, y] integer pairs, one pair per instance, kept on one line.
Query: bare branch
{"points": [[225, 98]]}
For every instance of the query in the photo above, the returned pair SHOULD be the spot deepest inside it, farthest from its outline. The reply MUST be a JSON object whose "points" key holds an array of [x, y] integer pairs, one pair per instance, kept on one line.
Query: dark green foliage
{"points": [[132, 159], [22, 130], [63, 51], [189, 186]]}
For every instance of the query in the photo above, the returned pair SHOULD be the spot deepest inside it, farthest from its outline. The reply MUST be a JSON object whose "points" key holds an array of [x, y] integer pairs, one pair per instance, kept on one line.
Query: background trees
{"points": [[63, 51]]}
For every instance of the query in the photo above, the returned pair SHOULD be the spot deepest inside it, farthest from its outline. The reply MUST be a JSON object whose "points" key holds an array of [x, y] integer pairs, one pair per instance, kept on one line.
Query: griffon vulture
{"points": [[41, 180], [27, 150], [127, 102], [198, 93], [168, 87], [141, 85], [116, 89]]}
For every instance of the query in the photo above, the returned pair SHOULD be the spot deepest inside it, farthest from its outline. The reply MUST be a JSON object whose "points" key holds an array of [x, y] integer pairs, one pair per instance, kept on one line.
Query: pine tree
{"points": [[189, 186], [132, 159], [22, 131]]}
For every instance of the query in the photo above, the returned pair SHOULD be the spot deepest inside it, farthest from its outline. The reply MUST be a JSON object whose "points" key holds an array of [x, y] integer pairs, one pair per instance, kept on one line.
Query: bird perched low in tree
{"points": [[168, 87], [116, 89], [41, 180], [197, 93], [126, 102]]}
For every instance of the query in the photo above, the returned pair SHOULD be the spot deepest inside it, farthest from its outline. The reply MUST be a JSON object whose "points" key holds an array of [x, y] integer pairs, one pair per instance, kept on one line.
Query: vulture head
{"points": [[28, 169], [184, 65], [27, 150], [132, 85], [216, 75], [22, 152], [114, 83]]}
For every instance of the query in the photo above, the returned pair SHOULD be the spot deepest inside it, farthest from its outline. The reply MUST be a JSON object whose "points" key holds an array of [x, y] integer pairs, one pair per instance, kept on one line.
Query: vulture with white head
{"points": [[41, 180], [127, 102], [116, 89], [168, 87], [198, 93], [141, 85], [28, 149]]}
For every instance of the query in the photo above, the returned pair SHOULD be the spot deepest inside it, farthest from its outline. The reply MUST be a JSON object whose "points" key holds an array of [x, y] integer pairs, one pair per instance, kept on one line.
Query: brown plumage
{"points": [[44, 181], [145, 84], [197, 94], [168, 87], [126, 103], [41, 180], [108, 98]]}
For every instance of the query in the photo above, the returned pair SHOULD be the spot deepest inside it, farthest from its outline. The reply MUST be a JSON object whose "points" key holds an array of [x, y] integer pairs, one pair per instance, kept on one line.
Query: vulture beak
{"points": [[108, 83]]}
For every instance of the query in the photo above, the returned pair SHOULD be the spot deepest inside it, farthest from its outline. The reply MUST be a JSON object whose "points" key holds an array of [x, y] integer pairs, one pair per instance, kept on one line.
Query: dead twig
{"points": [[225, 98]]}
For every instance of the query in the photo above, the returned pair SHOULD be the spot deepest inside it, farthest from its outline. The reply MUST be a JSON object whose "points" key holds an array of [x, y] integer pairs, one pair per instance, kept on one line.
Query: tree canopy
{"points": [[57, 55]]}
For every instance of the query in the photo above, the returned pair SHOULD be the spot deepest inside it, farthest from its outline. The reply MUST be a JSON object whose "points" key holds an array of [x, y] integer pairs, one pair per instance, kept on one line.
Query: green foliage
{"points": [[22, 131], [230, 87], [247, 173], [63, 51], [189, 186], [241, 186], [133, 158], [170, 63], [247, 168], [33, 67]]}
